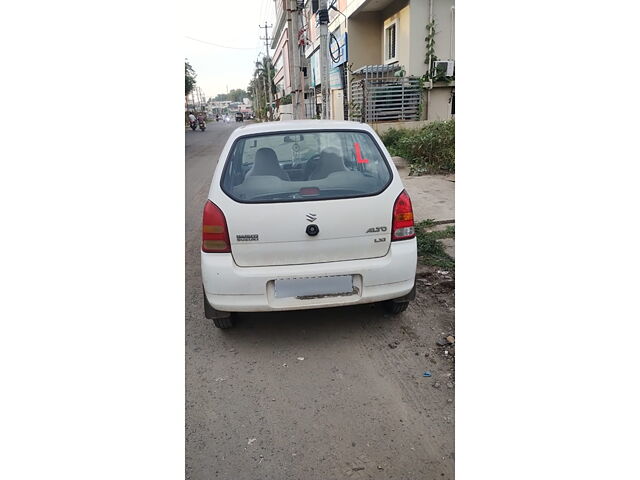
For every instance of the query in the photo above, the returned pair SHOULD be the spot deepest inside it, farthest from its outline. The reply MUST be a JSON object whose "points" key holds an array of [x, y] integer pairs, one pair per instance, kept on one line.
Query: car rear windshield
{"points": [[299, 166]]}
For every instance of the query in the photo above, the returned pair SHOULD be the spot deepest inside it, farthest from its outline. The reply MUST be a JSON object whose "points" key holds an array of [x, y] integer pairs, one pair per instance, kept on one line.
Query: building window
{"points": [[391, 43], [278, 65]]}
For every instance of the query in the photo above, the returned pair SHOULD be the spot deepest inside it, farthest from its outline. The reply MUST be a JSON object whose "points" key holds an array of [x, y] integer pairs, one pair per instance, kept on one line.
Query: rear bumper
{"points": [[251, 289]]}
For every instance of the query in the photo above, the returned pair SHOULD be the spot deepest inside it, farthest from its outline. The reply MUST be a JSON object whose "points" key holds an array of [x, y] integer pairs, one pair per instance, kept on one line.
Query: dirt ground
{"points": [[338, 393]]}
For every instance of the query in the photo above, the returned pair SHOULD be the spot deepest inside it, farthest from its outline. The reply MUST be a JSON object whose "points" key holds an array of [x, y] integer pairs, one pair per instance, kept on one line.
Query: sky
{"points": [[229, 23]]}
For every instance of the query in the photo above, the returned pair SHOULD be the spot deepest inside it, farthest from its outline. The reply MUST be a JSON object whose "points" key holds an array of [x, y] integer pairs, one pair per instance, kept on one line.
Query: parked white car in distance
{"points": [[306, 214]]}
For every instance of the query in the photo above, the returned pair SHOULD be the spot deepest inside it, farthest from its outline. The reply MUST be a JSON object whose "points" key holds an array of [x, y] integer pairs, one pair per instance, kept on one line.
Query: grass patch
{"points": [[429, 222], [429, 149], [430, 249]]}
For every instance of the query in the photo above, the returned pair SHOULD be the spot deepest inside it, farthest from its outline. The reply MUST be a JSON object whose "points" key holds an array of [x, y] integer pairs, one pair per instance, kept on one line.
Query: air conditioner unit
{"points": [[445, 68]]}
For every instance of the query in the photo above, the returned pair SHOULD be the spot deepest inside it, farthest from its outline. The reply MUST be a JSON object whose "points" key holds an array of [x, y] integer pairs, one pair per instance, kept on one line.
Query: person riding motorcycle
{"points": [[201, 118], [192, 120]]}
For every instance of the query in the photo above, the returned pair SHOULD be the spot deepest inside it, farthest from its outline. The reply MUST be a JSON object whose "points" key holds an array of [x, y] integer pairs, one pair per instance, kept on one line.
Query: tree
{"points": [[261, 75], [235, 95], [189, 78]]}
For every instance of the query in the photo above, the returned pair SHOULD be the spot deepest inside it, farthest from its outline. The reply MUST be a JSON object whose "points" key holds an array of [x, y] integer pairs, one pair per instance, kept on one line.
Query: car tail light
{"points": [[402, 227], [215, 235]]}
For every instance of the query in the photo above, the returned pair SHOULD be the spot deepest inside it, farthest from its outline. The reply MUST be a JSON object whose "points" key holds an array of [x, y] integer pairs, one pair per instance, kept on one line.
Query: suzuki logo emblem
{"points": [[311, 217]]}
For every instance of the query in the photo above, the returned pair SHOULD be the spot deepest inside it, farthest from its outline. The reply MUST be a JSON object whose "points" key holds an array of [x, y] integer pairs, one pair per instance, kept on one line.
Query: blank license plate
{"points": [[305, 287]]}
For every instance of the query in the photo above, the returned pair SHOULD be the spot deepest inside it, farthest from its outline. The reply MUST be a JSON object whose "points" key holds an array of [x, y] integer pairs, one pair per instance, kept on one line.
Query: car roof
{"points": [[296, 125]]}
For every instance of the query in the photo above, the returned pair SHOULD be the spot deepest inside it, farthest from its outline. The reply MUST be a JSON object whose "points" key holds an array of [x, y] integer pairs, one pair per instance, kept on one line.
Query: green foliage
{"points": [[355, 111], [391, 137], [286, 100], [261, 78], [430, 149], [235, 95], [430, 41], [430, 250], [429, 222], [433, 74], [189, 78]]}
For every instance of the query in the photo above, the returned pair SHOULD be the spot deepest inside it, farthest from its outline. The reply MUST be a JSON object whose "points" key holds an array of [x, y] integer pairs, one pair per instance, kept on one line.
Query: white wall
{"points": [[439, 107], [444, 44], [337, 104], [403, 36]]}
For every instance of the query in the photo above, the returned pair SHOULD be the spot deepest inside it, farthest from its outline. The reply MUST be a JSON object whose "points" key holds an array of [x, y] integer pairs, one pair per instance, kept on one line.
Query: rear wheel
{"points": [[395, 307], [223, 322]]}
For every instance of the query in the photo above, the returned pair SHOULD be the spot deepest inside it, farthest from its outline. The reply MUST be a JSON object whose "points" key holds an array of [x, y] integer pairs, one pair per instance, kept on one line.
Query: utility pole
{"points": [[323, 18], [256, 110], [255, 94], [259, 97], [268, 62], [297, 94], [264, 87]]}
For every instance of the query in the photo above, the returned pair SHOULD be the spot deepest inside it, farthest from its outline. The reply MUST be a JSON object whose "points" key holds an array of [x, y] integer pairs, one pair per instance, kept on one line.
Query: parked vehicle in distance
{"points": [[306, 214], [239, 117]]}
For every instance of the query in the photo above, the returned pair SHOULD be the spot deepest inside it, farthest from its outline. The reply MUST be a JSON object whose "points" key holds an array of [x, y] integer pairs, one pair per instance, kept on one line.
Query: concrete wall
{"points": [[285, 112], [418, 46], [365, 39], [439, 107], [445, 45], [382, 127]]}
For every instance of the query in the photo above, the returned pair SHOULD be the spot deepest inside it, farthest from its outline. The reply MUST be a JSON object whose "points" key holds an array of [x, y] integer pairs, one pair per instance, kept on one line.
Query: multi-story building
{"points": [[289, 77], [381, 67], [390, 35]]}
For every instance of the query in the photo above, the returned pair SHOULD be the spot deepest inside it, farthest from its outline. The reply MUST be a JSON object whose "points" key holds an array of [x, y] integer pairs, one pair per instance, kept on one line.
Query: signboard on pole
{"points": [[314, 64], [338, 48], [335, 78]]}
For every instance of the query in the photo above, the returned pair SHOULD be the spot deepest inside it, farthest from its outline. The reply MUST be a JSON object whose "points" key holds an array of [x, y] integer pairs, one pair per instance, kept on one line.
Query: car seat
{"points": [[266, 163], [330, 162]]}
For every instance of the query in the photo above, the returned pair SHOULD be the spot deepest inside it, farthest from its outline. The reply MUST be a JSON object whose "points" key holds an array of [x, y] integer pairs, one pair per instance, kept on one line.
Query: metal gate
{"points": [[377, 95]]}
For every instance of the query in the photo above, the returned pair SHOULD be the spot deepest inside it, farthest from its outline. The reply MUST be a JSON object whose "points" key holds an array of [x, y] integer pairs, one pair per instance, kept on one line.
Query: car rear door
{"points": [[304, 230]]}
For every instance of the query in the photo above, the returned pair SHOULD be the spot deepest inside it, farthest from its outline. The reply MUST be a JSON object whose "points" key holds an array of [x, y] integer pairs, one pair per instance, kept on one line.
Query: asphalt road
{"points": [[321, 394]]}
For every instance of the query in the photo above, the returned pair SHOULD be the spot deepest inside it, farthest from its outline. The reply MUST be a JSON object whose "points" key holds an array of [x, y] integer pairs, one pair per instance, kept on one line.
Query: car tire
{"points": [[395, 308], [225, 322]]}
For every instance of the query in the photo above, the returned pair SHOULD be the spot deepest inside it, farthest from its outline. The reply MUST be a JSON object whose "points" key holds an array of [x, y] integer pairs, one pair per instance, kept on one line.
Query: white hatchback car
{"points": [[306, 214]]}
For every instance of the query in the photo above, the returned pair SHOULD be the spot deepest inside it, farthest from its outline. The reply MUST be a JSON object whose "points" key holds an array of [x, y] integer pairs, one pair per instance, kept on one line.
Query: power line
{"points": [[216, 45]]}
